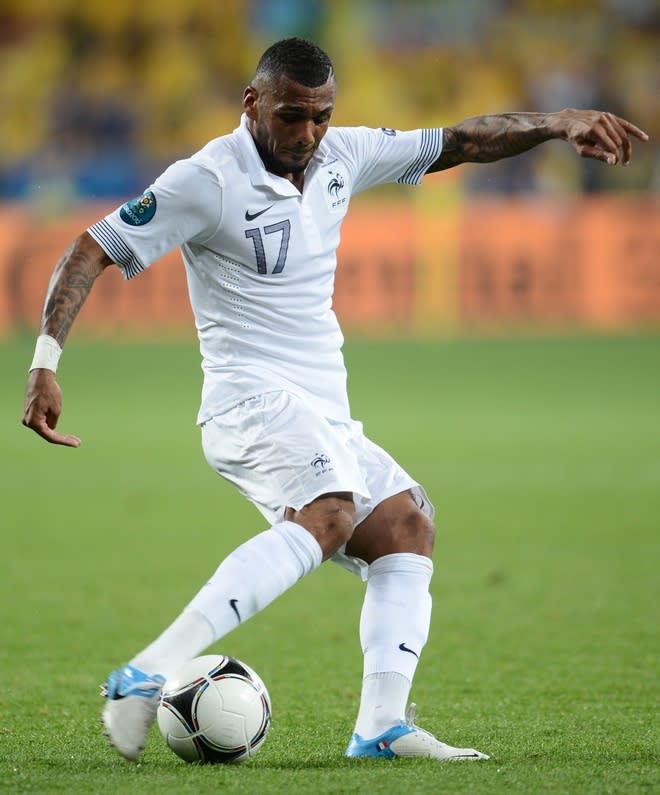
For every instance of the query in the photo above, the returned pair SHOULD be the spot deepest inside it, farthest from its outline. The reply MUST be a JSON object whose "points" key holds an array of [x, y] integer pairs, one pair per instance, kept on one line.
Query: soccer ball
{"points": [[214, 709]]}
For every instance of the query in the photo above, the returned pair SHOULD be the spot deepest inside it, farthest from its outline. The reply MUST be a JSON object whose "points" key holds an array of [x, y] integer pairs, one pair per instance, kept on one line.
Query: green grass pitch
{"points": [[543, 459]]}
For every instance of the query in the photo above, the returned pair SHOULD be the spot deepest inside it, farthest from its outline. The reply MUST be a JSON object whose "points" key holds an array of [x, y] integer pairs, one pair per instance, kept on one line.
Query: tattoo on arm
{"points": [[69, 286], [483, 139]]}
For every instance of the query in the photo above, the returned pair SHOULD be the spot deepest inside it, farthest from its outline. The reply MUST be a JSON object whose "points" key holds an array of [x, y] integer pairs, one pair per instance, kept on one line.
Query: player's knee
{"points": [[340, 523], [416, 533], [329, 518], [426, 535]]}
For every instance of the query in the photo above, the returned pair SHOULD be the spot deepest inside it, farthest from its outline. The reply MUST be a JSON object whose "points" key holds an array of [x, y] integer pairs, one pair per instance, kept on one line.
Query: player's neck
{"points": [[297, 178]]}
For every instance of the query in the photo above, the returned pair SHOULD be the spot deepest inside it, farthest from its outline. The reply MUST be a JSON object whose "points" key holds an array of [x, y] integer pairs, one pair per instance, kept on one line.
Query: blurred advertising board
{"points": [[421, 267]]}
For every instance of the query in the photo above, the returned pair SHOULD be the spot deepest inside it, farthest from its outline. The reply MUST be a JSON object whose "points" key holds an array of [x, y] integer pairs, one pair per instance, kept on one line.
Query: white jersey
{"points": [[260, 256]]}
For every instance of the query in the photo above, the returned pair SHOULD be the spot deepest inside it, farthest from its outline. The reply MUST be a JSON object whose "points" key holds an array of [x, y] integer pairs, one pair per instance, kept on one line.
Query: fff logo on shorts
{"points": [[321, 464]]}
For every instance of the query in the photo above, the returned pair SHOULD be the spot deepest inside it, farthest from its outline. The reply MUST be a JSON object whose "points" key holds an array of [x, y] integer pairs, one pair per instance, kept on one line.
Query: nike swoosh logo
{"points": [[232, 604], [251, 216], [403, 647]]}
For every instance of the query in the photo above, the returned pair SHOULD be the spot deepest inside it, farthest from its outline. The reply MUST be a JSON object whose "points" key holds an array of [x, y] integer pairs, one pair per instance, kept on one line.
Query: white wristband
{"points": [[46, 353]]}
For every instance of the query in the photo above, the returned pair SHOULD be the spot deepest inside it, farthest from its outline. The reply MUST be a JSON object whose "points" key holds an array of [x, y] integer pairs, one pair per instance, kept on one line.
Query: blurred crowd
{"points": [[99, 96]]}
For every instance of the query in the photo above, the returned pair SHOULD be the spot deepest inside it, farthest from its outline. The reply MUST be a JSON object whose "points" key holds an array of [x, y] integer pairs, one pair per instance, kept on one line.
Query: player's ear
{"points": [[249, 102]]}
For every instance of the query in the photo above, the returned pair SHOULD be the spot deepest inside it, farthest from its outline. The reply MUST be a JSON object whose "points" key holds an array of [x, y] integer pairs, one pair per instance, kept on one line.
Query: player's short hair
{"points": [[298, 59]]}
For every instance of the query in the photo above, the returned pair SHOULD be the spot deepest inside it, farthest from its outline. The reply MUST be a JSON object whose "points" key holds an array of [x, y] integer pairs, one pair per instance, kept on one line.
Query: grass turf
{"points": [[543, 459]]}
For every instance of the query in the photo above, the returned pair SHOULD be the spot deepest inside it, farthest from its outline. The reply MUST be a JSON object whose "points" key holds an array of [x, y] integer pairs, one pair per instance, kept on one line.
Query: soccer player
{"points": [[256, 214]]}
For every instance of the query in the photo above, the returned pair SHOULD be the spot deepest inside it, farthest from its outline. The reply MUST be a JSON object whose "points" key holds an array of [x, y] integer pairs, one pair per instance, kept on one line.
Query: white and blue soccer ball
{"points": [[214, 709]]}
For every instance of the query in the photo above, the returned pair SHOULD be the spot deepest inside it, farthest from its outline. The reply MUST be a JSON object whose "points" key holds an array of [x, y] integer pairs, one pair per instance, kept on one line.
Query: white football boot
{"points": [[132, 700], [405, 740]]}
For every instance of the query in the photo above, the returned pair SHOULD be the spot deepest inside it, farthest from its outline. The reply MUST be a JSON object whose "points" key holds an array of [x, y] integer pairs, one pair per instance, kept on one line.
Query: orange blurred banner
{"points": [[583, 263], [590, 263]]}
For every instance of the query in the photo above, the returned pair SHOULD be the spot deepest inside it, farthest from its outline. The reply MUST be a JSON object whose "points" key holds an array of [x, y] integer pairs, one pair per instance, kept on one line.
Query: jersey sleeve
{"points": [[183, 205], [384, 155]]}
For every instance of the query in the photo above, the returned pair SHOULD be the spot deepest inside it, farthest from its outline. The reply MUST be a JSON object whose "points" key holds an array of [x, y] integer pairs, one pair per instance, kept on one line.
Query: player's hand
{"points": [[599, 134], [43, 406]]}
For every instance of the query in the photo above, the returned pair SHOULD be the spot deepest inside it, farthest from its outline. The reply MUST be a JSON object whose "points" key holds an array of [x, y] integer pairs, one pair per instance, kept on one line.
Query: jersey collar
{"points": [[258, 174]]}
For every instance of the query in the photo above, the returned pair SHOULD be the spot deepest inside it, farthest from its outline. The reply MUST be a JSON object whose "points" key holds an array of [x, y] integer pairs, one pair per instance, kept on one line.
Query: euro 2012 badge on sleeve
{"points": [[139, 211]]}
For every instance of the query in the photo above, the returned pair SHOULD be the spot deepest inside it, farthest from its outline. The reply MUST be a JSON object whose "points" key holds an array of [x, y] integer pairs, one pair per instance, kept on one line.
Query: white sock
{"points": [[382, 703], [394, 627], [184, 639], [246, 581]]}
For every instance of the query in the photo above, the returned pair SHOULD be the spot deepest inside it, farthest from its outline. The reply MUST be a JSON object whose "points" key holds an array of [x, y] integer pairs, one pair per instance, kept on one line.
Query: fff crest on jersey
{"points": [[139, 211], [335, 193]]}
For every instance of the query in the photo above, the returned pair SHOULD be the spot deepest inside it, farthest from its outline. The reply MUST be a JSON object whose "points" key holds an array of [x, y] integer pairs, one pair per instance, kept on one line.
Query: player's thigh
{"points": [[281, 454]]}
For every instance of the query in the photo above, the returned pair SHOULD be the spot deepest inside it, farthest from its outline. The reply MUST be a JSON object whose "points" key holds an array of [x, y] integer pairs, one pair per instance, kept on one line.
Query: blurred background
{"points": [[98, 98], [502, 342]]}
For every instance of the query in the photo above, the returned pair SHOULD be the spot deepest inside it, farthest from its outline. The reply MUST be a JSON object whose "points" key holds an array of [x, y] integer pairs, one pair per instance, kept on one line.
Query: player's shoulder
{"points": [[208, 163], [218, 147], [350, 138], [339, 135], [217, 152]]}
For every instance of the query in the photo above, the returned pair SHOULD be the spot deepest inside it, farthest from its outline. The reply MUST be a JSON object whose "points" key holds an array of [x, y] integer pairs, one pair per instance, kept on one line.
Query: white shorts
{"points": [[280, 453]]}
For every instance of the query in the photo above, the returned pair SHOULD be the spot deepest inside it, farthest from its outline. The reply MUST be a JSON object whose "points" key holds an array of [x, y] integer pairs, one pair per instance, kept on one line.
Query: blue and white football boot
{"points": [[132, 700], [405, 740]]}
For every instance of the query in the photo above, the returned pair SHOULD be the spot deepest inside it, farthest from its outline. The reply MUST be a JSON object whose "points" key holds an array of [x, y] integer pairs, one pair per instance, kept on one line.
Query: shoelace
{"points": [[411, 711]]}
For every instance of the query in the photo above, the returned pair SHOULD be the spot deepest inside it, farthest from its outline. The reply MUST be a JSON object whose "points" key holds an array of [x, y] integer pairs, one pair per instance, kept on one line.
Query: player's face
{"points": [[288, 121]]}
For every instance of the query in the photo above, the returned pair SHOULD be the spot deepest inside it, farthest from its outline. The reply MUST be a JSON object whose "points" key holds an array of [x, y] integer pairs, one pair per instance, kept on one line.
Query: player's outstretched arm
{"points": [[592, 133], [70, 284]]}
